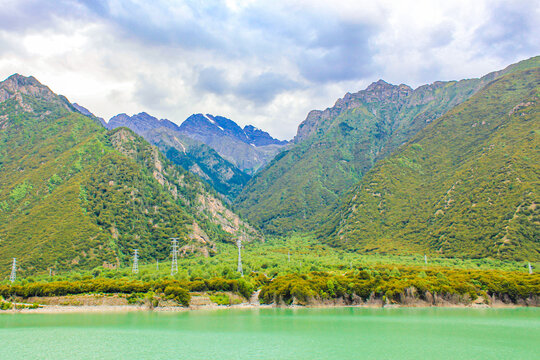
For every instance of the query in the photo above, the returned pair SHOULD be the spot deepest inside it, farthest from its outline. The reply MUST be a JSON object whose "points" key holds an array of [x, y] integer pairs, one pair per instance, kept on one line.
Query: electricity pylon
{"points": [[239, 244], [135, 269], [13, 275], [174, 263]]}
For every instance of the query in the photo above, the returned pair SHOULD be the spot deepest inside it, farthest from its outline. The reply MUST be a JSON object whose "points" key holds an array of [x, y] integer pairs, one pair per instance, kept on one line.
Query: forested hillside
{"points": [[467, 185], [336, 147], [73, 194]]}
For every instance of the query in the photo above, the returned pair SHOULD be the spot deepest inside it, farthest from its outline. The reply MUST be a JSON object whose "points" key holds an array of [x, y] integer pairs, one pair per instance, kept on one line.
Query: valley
{"points": [[389, 181]]}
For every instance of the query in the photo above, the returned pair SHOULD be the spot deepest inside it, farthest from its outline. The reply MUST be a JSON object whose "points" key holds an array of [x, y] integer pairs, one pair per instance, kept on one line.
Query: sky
{"points": [[265, 63]]}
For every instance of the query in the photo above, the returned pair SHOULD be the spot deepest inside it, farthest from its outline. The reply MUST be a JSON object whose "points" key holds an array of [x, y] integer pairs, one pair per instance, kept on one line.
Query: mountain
{"points": [[466, 185], [193, 155], [249, 149], [200, 159], [140, 123], [335, 148], [87, 112], [259, 137], [213, 147], [74, 195]]}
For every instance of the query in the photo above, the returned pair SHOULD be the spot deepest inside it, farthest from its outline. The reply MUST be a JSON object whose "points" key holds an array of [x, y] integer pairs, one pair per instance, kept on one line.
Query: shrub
{"points": [[179, 294]]}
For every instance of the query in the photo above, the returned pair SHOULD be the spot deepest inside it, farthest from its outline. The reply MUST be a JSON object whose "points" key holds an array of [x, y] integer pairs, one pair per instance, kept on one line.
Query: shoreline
{"points": [[54, 309]]}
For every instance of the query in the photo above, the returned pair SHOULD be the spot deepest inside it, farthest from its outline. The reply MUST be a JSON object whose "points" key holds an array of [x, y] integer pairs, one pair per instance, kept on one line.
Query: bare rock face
{"points": [[18, 87], [140, 123], [25, 85], [249, 148], [377, 92]]}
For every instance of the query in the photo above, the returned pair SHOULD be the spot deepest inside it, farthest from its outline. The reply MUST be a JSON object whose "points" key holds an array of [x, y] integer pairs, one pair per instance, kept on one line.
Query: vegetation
{"points": [[315, 274], [467, 185], [177, 290], [299, 270], [392, 284]]}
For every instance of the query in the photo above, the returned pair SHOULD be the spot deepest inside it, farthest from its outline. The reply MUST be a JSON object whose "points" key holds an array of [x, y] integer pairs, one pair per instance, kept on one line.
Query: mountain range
{"points": [[450, 168], [248, 149], [212, 147]]}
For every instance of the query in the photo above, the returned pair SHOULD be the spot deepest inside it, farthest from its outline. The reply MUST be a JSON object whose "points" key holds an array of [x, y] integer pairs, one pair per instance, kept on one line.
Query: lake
{"points": [[336, 333]]}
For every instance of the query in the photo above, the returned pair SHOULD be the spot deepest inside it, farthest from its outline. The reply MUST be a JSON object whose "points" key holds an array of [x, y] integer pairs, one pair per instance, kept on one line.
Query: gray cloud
{"points": [[512, 29], [324, 48], [30, 15], [213, 80], [340, 51], [321, 48], [149, 93], [441, 35], [263, 88], [259, 89], [153, 22]]}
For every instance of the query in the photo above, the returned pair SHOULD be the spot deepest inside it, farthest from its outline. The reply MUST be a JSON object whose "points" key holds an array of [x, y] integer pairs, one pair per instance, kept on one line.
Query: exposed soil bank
{"points": [[116, 303]]}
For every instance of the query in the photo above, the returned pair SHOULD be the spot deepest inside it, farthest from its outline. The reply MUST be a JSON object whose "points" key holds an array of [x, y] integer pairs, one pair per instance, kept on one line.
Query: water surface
{"points": [[343, 333]]}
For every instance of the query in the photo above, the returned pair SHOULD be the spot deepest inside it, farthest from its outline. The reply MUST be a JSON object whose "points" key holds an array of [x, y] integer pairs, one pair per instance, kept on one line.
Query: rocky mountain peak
{"points": [[259, 137], [19, 84], [22, 80], [382, 91], [20, 87], [140, 122], [378, 85]]}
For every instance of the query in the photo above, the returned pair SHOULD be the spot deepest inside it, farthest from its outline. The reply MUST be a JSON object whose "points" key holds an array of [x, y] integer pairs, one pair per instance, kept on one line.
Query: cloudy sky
{"points": [[265, 63]]}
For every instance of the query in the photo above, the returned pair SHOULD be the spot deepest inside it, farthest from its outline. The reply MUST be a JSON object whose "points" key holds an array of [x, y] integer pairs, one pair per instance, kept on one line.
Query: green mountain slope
{"points": [[74, 195], [467, 185], [336, 147]]}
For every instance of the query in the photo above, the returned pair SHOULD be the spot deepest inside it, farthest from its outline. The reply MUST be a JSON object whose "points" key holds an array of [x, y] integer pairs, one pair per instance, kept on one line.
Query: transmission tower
{"points": [[13, 275], [530, 268], [425, 259], [288, 256], [157, 264], [239, 244], [174, 263], [135, 269]]}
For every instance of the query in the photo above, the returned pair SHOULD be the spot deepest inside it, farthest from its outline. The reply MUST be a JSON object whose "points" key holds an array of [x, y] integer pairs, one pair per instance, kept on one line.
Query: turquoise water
{"points": [[343, 333]]}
